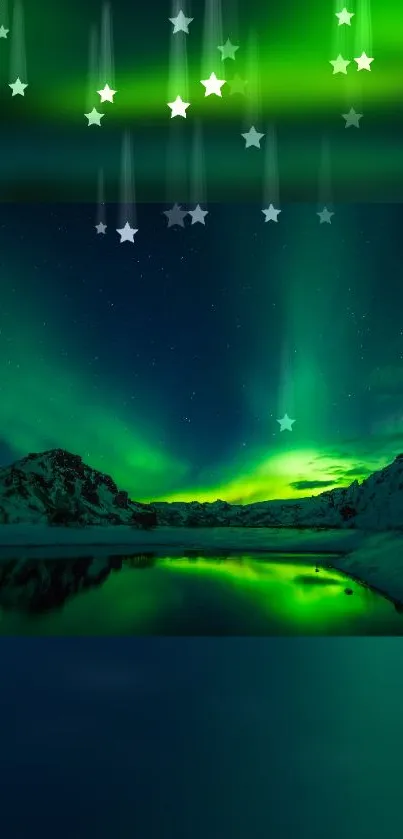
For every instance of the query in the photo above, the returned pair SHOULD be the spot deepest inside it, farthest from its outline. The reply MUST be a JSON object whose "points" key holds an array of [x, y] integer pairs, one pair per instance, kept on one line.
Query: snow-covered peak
{"points": [[57, 487]]}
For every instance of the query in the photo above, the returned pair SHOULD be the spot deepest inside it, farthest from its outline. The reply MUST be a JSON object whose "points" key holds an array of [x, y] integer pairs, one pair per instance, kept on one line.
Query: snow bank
{"points": [[377, 562], [25, 537]]}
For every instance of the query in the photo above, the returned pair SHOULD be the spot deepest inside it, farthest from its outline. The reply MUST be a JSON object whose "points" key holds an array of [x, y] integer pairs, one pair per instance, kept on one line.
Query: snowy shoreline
{"points": [[281, 540], [374, 558]]}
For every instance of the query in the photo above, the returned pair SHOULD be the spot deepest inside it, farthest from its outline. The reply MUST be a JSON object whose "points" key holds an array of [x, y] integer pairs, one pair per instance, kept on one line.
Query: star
{"points": [[126, 233], [325, 216], [175, 216], [18, 87], [101, 227], [213, 85], [178, 107], [286, 423], [271, 214], [340, 65], [228, 50], [252, 138], [106, 94], [344, 16], [198, 214], [3, 32], [363, 62], [237, 85], [352, 118], [181, 23], [94, 118]]}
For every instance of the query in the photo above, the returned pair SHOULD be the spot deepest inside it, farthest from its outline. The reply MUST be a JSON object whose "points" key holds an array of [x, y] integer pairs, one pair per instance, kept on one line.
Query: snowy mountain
{"points": [[57, 488], [376, 504]]}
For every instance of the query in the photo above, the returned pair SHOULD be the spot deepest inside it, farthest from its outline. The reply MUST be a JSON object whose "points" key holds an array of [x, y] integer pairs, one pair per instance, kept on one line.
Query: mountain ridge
{"points": [[58, 488], [375, 504]]}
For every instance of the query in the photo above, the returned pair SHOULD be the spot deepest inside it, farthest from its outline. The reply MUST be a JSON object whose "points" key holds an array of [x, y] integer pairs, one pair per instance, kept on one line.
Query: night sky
{"points": [[167, 362]]}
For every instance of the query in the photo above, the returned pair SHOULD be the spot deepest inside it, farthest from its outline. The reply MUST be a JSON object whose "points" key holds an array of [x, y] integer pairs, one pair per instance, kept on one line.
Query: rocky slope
{"points": [[56, 487], [376, 504]]}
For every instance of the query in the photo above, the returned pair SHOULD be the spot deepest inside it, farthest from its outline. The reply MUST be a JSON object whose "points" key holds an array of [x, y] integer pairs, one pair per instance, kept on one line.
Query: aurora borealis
{"points": [[167, 362], [284, 55]]}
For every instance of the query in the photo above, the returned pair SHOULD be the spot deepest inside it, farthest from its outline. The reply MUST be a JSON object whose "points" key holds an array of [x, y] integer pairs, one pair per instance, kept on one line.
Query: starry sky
{"points": [[166, 362]]}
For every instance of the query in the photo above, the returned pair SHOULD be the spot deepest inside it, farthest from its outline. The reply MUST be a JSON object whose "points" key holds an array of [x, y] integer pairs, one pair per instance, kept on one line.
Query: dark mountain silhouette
{"points": [[57, 488]]}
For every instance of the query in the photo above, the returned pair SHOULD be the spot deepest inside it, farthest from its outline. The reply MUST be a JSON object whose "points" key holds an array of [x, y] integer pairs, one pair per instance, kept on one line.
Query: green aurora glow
{"points": [[287, 64], [290, 83], [73, 418], [49, 401]]}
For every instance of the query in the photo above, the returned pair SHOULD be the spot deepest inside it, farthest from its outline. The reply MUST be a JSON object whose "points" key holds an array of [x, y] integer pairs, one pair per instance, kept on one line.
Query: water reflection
{"points": [[188, 595]]}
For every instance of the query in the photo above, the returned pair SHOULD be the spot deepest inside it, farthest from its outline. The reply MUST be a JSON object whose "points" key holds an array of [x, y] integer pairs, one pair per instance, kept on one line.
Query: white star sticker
{"points": [[94, 118], [344, 16], [198, 214], [101, 227], [340, 65], [178, 107], [325, 216], [181, 23], [126, 233], [252, 138], [271, 213], [352, 118], [106, 94], [213, 85], [286, 423], [18, 87], [363, 62], [3, 32]]}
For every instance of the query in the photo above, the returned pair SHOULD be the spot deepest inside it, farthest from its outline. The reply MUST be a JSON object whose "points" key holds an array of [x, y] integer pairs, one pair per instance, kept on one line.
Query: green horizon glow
{"points": [[136, 99], [269, 478], [293, 50], [290, 83]]}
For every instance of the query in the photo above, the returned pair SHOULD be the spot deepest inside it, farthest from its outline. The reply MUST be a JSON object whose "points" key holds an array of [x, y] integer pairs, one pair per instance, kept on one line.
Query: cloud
{"points": [[302, 485], [359, 471]]}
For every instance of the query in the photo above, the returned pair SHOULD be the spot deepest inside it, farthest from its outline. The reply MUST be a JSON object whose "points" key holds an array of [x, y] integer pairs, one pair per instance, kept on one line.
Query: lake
{"points": [[192, 595]]}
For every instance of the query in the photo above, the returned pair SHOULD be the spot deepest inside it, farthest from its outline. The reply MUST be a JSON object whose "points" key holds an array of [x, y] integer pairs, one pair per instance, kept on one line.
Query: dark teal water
{"points": [[237, 738], [198, 595]]}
